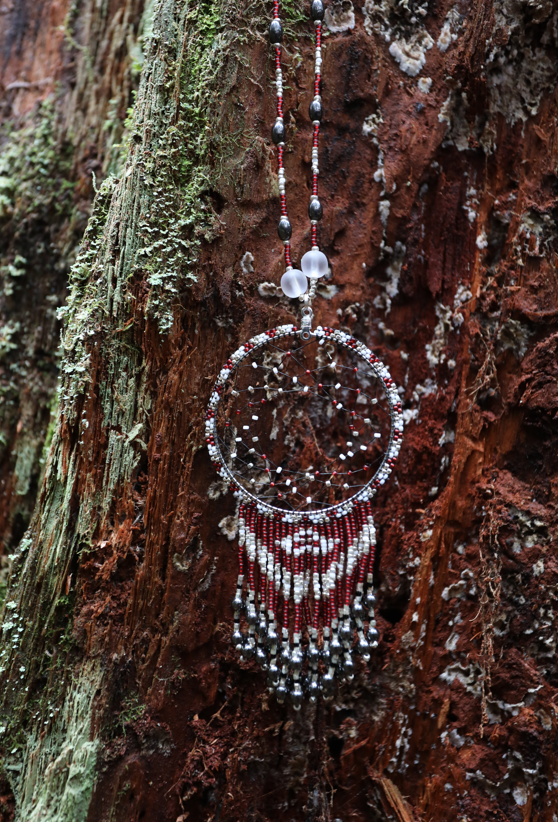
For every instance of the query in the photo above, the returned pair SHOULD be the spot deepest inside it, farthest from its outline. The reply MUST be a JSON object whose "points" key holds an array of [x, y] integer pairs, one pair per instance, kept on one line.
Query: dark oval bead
{"points": [[278, 133], [284, 229], [316, 111], [315, 210], [317, 10], [275, 32]]}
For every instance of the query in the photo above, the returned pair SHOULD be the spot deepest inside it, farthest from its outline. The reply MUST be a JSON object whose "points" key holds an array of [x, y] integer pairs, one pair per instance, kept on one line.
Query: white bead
{"points": [[294, 283], [314, 264]]}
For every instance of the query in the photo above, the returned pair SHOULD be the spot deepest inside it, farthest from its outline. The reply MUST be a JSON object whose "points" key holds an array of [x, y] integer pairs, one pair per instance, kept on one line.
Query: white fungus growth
{"points": [[340, 16], [394, 270], [371, 125], [482, 241], [462, 295], [445, 38], [411, 54], [384, 208], [246, 263], [425, 84], [445, 112], [520, 795], [435, 349], [228, 526], [538, 568], [456, 739], [268, 290]]}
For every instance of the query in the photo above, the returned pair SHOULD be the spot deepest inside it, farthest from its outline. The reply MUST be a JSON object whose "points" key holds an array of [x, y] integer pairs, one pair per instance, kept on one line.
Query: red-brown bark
{"points": [[455, 716]]}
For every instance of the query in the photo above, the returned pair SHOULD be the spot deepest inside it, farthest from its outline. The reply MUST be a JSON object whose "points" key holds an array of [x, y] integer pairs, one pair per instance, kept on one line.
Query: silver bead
{"points": [[373, 637], [370, 598], [345, 632], [281, 692], [296, 660], [296, 696], [248, 649]]}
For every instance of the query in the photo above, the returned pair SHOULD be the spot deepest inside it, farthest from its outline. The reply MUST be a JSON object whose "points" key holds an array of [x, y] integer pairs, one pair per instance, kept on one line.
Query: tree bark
{"points": [[122, 698]]}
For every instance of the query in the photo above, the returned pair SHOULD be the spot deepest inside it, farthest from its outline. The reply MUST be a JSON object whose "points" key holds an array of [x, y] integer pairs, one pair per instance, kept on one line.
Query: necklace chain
{"points": [[315, 210]]}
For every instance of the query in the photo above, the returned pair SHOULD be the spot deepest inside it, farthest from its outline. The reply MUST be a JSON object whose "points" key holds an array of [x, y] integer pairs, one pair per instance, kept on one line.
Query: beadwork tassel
{"points": [[304, 604]]}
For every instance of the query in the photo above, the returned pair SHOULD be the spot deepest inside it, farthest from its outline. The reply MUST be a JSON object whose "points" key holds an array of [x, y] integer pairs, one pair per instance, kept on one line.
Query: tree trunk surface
{"points": [[122, 697]]}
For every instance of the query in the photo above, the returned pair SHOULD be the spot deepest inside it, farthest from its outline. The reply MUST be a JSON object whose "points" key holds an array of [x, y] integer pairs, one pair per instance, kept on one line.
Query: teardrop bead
{"points": [[294, 283], [314, 264]]}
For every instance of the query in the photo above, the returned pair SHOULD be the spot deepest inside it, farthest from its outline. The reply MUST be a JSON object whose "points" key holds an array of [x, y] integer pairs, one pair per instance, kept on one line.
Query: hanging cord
{"points": [[294, 282]]}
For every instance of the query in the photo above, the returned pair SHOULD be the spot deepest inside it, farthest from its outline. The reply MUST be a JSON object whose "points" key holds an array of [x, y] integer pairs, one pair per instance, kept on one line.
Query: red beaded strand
{"points": [[315, 141]]}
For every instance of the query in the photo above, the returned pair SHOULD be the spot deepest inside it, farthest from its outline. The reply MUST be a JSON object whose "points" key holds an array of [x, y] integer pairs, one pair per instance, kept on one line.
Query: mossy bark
{"points": [[122, 698], [68, 72]]}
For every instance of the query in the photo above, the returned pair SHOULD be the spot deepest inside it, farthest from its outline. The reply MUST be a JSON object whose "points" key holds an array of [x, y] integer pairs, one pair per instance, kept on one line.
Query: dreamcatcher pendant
{"points": [[304, 426]]}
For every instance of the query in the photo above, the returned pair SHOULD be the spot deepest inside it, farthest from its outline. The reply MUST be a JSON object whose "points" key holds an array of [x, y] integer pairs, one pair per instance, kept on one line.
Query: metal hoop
{"points": [[381, 373]]}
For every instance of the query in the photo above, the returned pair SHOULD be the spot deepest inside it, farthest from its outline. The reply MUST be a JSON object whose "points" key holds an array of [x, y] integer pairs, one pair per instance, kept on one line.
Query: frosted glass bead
{"points": [[294, 283], [314, 264]]}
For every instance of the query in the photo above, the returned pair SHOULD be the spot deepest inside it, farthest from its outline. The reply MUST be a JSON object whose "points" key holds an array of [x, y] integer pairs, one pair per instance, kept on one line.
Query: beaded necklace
{"points": [[304, 426], [314, 263]]}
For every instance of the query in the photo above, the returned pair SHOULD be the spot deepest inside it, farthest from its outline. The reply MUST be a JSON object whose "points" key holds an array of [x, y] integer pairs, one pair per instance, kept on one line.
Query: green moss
{"points": [[34, 168], [132, 710]]}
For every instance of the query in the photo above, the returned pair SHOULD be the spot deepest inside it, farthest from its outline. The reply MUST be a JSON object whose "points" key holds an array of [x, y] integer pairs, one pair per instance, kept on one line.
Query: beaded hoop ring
{"points": [[225, 450]]}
